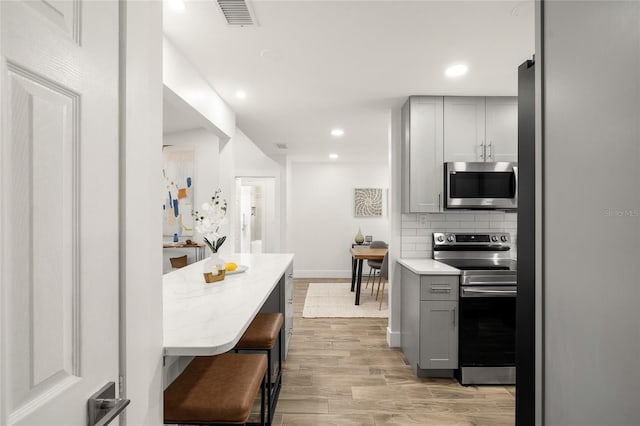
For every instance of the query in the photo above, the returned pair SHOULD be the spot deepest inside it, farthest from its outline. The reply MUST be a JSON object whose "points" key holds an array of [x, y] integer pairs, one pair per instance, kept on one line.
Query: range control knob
{"points": [[503, 238], [451, 238], [494, 238], [440, 238]]}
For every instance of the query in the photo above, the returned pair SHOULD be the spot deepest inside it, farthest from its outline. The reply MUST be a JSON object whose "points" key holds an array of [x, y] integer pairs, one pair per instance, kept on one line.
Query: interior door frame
{"points": [[273, 235], [122, 203], [3, 159]]}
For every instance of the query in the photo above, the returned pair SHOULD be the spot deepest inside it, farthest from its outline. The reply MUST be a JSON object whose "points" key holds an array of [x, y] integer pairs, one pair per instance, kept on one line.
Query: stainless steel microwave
{"points": [[481, 185]]}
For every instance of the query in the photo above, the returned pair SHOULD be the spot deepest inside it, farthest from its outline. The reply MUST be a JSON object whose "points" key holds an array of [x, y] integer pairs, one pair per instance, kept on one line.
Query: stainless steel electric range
{"points": [[487, 305]]}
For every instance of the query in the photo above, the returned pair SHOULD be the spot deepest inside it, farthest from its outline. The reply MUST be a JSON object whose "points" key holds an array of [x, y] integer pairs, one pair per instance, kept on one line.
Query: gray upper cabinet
{"points": [[502, 128], [422, 154], [438, 129], [464, 124], [481, 128]]}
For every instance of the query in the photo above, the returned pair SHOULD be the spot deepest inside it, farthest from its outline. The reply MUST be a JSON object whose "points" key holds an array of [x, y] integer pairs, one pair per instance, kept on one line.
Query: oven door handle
{"points": [[486, 280], [484, 292]]}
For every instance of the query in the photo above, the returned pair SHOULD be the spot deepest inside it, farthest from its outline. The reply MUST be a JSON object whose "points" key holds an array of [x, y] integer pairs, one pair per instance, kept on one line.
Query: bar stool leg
{"points": [[269, 387], [263, 390]]}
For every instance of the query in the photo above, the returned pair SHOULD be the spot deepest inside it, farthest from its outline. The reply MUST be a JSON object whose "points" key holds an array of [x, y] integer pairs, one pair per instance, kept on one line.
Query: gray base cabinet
{"points": [[429, 323], [439, 334]]}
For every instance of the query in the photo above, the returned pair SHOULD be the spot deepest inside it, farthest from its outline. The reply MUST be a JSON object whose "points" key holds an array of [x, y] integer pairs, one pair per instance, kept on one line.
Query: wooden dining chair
{"points": [[384, 275], [178, 262], [374, 265]]}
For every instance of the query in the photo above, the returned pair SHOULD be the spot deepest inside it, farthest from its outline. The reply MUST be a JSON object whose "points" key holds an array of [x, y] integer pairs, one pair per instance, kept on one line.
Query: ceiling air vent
{"points": [[282, 146], [237, 12]]}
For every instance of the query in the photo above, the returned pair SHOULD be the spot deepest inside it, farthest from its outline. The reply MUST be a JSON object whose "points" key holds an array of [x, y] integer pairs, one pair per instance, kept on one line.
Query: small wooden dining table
{"points": [[358, 256], [199, 248]]}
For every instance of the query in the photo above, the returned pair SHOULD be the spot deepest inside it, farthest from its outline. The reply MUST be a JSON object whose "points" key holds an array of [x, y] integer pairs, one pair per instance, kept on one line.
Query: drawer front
{"points": [[439, 287]]}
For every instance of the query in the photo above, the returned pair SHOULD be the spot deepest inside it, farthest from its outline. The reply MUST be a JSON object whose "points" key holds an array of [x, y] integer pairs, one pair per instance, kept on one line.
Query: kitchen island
{"points": [[209, 319]]}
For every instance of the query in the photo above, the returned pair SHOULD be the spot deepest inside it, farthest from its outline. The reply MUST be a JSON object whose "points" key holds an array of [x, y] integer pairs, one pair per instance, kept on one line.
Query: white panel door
{"points": [[502, 128], [464, 124], [59, 218]]}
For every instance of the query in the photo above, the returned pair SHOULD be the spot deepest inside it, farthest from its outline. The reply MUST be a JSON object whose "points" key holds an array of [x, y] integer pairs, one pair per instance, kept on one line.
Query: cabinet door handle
{"points": [[490, 150], [453, 316], [483, 155], [440, 290], [439, 202]]}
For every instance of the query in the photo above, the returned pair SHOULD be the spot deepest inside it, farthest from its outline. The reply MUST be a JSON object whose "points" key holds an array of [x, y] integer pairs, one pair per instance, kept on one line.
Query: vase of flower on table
{"points": [[209, 219]]}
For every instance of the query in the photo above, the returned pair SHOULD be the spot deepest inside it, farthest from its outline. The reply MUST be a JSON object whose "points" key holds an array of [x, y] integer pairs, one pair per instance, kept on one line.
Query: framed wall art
{"points": [[177, 175], [368, 202]]}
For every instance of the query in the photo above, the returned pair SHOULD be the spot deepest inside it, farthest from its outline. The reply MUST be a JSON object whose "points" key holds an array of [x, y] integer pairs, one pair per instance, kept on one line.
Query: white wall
{"points": [[142, 299], [323, 226], [206, 178], [591, 212]]}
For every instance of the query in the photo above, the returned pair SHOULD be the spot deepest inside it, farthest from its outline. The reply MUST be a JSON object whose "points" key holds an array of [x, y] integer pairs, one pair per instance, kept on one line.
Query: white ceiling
{"points": [[310, 66]]}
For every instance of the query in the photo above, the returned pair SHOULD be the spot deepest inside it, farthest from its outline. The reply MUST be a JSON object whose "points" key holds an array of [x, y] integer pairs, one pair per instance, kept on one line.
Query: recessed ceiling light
{"points": [[337, 132], [241, 94], [176, 5], [456, 70], [333, 156]]}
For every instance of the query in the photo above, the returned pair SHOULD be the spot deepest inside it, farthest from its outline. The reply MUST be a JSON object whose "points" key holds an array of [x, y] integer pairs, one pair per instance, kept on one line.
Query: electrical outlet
{"points": [[422, 219]]}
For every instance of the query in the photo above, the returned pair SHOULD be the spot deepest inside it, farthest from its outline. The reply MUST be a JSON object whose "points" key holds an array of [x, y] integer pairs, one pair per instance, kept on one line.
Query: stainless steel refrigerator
{"points": [[525, 302]]}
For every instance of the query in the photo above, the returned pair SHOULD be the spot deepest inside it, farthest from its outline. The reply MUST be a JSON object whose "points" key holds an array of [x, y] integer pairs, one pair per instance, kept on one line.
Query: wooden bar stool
{"points": [[217, 390], [178, 262], [261, 335]]}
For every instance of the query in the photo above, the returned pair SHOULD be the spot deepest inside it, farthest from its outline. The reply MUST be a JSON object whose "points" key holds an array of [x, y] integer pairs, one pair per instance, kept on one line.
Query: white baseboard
{"points": [[393, 338], [318, 273]]}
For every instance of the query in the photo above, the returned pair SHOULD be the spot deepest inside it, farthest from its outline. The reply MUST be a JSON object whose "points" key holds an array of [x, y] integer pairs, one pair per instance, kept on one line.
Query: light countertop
{"points": [[209, 319], [428, 267]]}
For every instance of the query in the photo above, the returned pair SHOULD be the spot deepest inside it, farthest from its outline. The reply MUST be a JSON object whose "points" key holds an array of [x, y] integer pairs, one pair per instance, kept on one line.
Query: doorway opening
{"points": [[256, 207]]}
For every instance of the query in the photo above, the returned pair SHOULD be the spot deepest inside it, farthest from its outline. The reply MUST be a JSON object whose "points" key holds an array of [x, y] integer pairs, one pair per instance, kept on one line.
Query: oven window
{"points": [[487, 331], [482, 185]]}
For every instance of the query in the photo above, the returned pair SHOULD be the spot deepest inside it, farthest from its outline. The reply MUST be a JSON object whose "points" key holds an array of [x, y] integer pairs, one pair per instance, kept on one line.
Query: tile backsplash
{"points": [[418, 227]]}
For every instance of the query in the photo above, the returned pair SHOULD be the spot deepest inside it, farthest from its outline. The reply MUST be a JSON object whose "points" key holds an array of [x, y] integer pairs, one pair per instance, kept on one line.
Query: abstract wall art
{"points": [[177, 175], [368, 202]]}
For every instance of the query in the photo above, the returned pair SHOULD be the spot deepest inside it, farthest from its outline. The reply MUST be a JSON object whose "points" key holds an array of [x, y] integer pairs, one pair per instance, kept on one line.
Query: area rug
{"points": [[335, 300]]}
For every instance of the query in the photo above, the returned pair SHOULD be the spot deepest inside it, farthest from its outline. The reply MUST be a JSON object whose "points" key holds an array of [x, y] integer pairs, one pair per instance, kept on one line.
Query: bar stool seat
{"points": [[262, 332], [217, 389], [261, 335]]}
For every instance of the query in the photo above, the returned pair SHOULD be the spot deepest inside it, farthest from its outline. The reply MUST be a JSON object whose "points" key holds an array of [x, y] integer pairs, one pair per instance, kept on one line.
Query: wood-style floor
{"points": [[341, 372]]}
